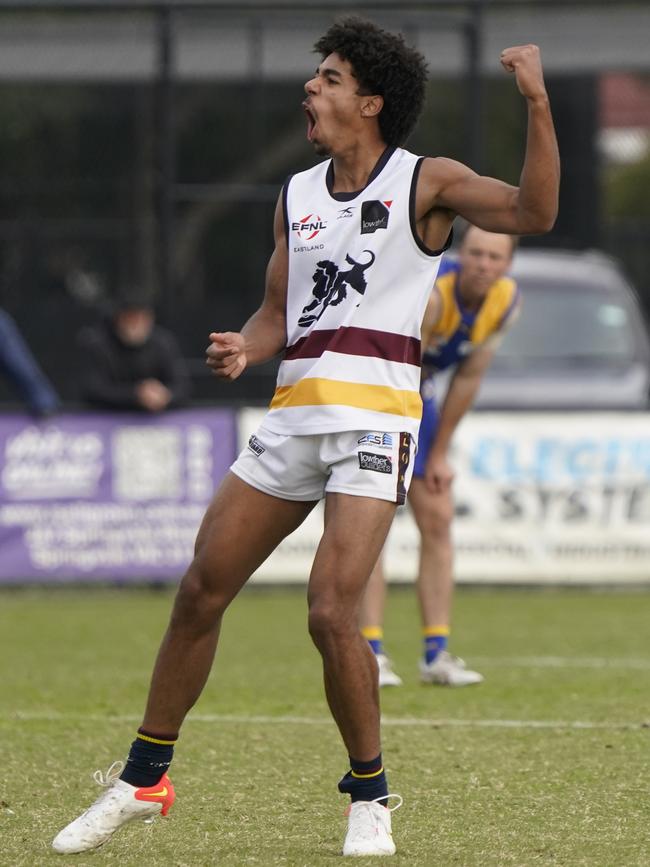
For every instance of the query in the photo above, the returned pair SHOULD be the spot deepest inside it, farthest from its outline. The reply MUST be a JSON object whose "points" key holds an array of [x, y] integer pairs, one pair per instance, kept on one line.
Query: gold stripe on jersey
{"points": [[333, 392]]}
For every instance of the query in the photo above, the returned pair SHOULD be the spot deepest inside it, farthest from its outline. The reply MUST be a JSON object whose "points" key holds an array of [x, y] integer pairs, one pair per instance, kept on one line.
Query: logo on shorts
{"points": [[256, 446], [383, 440], [376, 463]]}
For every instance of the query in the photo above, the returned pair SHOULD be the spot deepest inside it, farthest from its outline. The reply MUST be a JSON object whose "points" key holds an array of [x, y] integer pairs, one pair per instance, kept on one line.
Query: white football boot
{"points": [[369, 828], [119, 804], [448, 670], [387, 676]]}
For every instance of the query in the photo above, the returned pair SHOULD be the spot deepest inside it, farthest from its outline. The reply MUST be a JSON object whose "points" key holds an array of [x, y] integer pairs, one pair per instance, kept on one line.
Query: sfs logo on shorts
{"points": [[256, 446], [383, 440], [376, 463]]}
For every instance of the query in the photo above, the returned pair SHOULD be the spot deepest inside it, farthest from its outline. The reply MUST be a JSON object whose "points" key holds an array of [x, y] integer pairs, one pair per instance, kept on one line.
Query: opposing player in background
{"points": [[358, 239], [470, 309]]}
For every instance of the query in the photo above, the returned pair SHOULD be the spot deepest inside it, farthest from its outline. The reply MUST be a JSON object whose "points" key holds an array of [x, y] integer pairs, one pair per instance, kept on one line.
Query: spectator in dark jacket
{"points": [[131, 363]]}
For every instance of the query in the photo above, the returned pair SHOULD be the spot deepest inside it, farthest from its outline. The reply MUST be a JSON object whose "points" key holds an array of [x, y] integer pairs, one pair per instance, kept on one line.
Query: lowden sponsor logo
{"points": [[376, 463], [374, 216], [256, 446]]}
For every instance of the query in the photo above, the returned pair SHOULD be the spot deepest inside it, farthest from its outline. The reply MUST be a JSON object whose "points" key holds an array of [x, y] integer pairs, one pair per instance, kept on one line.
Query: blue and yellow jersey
{"points": [[458, 332]]}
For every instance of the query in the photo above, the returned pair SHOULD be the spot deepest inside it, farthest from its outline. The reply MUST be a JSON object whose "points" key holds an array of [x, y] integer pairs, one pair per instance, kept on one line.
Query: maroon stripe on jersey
{"points": [[357, 341]]}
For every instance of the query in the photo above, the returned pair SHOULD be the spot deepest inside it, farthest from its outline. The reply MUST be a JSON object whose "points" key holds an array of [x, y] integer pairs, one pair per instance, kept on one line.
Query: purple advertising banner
{"points": [[95, 496]]}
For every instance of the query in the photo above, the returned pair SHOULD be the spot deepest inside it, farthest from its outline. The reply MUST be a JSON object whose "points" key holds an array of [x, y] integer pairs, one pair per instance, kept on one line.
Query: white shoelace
{"points": [[400, 801], [110, 776]]}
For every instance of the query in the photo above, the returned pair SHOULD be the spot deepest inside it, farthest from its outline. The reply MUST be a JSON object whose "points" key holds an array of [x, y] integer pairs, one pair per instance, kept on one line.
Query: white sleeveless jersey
{"points": [[359, 281]]}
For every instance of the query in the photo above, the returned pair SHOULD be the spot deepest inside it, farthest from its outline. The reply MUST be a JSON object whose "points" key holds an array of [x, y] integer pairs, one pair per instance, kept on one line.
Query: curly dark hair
{"points": [[383, 64]]}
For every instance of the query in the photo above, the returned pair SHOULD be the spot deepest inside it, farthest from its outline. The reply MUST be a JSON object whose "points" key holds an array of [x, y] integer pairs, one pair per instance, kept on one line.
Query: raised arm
{"points": [[265, 333], [447, 186]]}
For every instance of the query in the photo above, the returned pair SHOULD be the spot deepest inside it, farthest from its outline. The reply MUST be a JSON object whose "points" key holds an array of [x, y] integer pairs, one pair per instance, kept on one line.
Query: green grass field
{"points": [[546, 763]]}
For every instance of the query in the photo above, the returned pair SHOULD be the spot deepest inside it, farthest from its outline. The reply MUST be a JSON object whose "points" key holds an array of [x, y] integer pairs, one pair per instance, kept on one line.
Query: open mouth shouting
{"points": [[311, 121]]}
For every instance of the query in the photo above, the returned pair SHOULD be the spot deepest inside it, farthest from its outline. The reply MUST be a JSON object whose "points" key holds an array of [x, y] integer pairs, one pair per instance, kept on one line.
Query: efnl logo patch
{"points": [[308, 227], [374, 215], [375, 463], [256, 446]]}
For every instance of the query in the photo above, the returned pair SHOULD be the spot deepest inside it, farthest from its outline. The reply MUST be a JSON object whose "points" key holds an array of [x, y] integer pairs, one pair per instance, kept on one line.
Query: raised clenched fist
{"points": [[526, 63]]}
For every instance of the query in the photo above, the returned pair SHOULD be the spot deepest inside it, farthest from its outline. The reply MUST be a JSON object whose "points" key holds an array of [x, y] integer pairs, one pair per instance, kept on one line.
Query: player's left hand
{"points": [[526, 63], [438, 474]]}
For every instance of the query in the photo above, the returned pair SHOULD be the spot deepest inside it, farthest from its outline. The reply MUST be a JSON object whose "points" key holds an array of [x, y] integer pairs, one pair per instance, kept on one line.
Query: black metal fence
{"points": [[146, 143]]}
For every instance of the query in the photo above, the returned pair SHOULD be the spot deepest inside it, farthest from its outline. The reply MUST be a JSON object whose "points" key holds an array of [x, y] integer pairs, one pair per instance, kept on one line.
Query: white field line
{"points": [[396, 722], [562, 662]]}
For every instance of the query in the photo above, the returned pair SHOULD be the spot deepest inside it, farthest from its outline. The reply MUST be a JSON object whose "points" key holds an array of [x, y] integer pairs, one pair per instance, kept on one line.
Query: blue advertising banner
{"points": [[99, 496]]}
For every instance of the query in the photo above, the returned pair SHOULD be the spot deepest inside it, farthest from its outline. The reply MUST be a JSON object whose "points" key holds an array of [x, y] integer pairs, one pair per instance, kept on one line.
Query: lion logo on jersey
{"points": [[330, 286]]}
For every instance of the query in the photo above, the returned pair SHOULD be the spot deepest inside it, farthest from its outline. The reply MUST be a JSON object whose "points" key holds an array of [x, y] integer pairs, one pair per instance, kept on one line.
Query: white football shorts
{"points": [[375, 464]]}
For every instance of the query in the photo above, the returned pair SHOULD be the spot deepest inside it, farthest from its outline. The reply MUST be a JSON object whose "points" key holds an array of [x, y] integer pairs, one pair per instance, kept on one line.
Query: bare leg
{"points": [[435, 582], [241, 527], [355, 531], [374, 599]]}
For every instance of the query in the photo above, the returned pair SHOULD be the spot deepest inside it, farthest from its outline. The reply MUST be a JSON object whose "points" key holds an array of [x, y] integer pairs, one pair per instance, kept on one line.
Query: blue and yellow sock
{"points": [[435, 640], [365, 781], [374, 635], [149, 758]]}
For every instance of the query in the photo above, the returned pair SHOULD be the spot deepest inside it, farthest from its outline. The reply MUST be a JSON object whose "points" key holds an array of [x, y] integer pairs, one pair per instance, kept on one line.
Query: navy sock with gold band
{"points": [[365, 781], [149, 758]]}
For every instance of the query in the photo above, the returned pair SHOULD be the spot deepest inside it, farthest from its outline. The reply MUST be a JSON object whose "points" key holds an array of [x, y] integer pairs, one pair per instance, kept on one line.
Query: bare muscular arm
{"points": [[265, 333], [464, 385], [447, 188]]}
